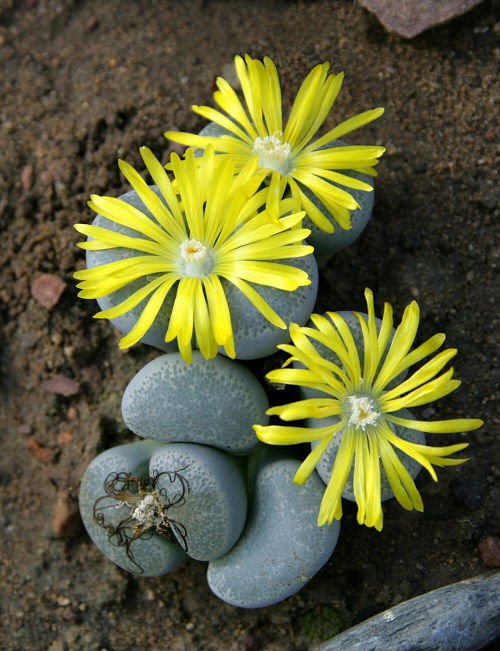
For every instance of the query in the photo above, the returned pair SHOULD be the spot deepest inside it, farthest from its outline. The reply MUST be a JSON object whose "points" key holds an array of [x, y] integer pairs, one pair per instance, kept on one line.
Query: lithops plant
{"points": [[362, 424], [148, 505], [116, 512], [326, 176], [328, 240], [281, 548], [197, 261], [215, 402]]}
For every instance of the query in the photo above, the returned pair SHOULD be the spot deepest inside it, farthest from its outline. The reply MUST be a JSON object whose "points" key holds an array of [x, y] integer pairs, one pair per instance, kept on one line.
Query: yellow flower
{"points": [[211, 232], [289, 157], [357, 394]]}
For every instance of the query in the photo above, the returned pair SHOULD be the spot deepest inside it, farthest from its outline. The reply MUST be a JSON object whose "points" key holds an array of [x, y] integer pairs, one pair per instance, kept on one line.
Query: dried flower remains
{"points": [[149, 509]]}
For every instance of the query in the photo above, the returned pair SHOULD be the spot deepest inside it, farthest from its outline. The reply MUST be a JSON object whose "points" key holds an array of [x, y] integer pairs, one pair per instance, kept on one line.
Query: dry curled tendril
{"points": [[149, 509]]}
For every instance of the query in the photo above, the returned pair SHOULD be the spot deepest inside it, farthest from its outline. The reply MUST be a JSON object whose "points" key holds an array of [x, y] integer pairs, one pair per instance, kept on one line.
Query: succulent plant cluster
{"points": [[217, 261]]}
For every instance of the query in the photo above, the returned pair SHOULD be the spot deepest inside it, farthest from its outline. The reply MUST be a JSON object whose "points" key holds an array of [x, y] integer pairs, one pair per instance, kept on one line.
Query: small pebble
{"points": [[27, 177], [64, 438], [72, 413], [490, 551], [61, 385], [92, 375], [66, 519], [38, 450], [469, 490], [91, 23], [47, 290], [56, 645]]}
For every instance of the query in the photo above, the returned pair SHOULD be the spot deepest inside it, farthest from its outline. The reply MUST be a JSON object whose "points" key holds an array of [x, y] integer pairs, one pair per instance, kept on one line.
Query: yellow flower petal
{"points": [[310, 408], [438, 426], [130, 302], [310, 462], [257, 301], [282, 435], [219, 313], [148, 315], [180, 324], [347, 126], [331, 502]]}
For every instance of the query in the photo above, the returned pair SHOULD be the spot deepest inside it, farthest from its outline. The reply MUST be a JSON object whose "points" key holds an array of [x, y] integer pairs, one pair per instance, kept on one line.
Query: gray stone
{"points": [[155, 555], [213, 130], [408, 18], [327, 244], [214, 510], [281, 547], [463, 616], [211, 401]]}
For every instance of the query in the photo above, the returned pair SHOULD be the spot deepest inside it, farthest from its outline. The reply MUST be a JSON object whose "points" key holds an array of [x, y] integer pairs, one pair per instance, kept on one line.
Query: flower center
{"points": [[195, 259], [363, 411], [273, 153], [148, 512]]}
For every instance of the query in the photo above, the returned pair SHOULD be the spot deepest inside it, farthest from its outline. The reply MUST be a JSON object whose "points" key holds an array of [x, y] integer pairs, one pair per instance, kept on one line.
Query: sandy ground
{"points": [[83, 83]]}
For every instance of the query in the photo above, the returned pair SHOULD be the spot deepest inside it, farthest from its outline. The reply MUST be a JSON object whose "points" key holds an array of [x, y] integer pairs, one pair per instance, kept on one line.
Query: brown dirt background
{"points": [[83, 83]]}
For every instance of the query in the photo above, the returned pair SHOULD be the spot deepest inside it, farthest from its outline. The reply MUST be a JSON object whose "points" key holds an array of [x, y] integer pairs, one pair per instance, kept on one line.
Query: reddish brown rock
{"points": [[64, 438], [27, 176], [38, 450], [47, 290], [490, 551], [408, 18], [61, 385], [92, 375], [65, 516], [91, 24]]}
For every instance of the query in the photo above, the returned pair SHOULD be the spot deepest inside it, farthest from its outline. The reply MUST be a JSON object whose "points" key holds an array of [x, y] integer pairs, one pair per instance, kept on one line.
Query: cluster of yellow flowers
{"points": [[225, 215], [230, 215]]}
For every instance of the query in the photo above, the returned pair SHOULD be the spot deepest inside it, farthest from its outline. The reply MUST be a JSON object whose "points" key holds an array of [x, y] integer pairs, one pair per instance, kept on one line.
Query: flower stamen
{"points": [[273, 153], [363, 412], [195, 259]]}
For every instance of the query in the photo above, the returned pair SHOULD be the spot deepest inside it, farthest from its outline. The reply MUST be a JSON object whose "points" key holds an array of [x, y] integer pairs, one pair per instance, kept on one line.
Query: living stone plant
{"points": [[216, 262]]}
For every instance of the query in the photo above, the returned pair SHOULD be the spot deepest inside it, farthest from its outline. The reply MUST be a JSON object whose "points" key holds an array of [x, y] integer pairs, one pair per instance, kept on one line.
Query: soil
{"points": [[86, 82]]}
